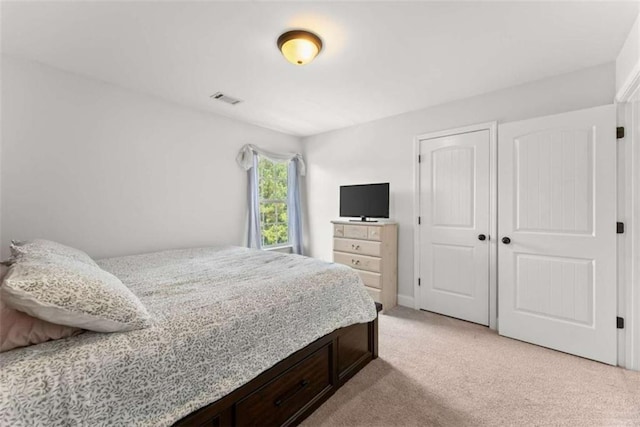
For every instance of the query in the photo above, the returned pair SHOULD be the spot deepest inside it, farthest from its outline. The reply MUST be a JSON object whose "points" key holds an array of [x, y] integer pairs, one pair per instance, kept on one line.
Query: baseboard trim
{"points": [[405, 301]]}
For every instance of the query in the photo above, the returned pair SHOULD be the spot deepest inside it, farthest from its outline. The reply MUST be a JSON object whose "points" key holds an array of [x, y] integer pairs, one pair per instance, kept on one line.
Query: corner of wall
{"points": [[406, 301], [628, 63]]}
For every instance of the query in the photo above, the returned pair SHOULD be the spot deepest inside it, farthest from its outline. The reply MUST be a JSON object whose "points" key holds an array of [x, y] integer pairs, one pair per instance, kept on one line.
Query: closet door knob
{"points": [[482, 237], [506, 240]]}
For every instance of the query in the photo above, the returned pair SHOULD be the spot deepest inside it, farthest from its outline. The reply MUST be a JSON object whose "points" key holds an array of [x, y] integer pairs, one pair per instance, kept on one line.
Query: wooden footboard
{"points": [[291, 390]]}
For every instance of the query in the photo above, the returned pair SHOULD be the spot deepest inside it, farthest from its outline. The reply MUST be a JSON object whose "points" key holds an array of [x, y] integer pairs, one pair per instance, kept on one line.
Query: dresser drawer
{"points": [[338, 230], [359, 262], [357, 246], [374, 233], [288, 393], [375, 293], [356, 231], [372, 280]]}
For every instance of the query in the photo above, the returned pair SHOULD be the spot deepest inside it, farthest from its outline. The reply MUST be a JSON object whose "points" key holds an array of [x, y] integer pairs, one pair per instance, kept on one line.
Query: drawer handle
{"points": [[355, 261], [288, 395], [355, 247]]}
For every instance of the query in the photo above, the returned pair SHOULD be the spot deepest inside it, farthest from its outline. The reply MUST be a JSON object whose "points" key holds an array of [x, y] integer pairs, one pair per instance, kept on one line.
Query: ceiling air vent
{"points": [[225, 98]]}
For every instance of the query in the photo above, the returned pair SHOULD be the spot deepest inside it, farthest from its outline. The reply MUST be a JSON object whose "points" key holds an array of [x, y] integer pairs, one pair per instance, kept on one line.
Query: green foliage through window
{"points": [[272, 191]]}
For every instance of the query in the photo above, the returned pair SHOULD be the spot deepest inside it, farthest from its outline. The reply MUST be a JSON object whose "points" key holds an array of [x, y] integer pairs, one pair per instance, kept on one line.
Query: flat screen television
{"points": [[365, 201]]}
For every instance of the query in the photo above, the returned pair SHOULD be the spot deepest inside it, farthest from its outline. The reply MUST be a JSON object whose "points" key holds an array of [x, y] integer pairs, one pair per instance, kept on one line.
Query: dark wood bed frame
{"points": [[290, 391]]}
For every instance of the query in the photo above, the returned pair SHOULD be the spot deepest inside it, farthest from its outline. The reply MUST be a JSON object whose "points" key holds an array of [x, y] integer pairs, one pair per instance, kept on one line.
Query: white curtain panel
{"points": [[293, 201], [254, 233]]}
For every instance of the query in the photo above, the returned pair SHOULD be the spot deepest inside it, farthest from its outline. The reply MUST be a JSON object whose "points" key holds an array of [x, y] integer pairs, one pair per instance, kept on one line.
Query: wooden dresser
{"points": [[372, 250]]}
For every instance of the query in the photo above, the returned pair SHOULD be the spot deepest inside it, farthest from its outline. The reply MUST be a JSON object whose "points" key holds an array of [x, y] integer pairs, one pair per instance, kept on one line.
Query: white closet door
{"points": [[454, 207], [557, 227]]}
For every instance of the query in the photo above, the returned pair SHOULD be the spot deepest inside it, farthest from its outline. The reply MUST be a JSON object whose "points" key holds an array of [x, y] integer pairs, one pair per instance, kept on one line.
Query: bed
{"points": [[239, 337]]}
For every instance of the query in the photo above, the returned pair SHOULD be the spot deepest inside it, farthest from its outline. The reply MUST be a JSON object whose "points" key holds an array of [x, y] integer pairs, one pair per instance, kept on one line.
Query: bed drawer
{"points": [[283, 397], [372, 280], [360, 262], [357, 246]]}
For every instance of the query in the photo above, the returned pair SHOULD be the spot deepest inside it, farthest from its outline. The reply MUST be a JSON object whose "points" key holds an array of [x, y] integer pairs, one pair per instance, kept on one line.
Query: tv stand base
{"points": [[363, 219]]}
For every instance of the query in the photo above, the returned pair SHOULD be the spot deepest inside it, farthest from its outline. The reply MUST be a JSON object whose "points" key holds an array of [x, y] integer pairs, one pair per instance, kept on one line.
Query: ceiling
{"points": [[379, 59]]}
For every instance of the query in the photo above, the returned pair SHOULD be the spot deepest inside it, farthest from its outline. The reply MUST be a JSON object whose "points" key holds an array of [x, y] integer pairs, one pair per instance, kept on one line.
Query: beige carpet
{"points": [[438, 371]]}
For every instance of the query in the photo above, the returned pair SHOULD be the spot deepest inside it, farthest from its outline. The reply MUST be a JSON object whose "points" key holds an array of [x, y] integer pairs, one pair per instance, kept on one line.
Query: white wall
{"points": [[628, 62], [383, 150], [115, 172]]}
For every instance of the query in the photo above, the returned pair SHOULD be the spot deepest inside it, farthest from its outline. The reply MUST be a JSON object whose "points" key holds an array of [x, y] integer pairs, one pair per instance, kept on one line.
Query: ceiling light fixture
{"points": [[299, 47]]}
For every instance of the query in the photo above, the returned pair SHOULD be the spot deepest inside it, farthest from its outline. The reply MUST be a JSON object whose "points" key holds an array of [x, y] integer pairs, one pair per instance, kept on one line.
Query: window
{"points": [[272, 193]]}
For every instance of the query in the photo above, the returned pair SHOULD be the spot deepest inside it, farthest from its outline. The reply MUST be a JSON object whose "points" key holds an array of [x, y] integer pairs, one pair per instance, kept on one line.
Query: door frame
{"points": [[493, 211], [628, 102]]}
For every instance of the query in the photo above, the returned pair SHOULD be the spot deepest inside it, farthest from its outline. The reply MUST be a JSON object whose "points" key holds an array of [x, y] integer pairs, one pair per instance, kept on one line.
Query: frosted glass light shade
{"points": [[299, 47]]}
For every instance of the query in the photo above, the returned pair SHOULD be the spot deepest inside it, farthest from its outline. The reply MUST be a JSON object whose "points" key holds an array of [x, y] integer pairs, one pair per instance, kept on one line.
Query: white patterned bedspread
{"points": [[222, 316]]}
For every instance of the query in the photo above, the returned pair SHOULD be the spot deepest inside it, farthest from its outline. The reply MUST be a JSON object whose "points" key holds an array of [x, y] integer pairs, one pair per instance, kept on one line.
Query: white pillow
{"points": [[41, 248], [73, 293]]}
